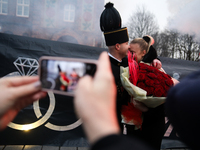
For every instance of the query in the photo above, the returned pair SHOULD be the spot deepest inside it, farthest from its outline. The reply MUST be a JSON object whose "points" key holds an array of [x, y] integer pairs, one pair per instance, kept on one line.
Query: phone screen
{"points": [[62, 76]]}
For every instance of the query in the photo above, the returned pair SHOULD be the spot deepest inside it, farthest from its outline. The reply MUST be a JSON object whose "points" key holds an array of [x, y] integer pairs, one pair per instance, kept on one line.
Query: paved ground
{"points": [[39, 147], [165, 143]]}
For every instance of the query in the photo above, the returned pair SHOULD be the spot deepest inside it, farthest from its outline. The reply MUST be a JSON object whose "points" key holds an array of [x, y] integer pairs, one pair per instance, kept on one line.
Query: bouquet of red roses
{"points": [[155, 82], [150, 88]]}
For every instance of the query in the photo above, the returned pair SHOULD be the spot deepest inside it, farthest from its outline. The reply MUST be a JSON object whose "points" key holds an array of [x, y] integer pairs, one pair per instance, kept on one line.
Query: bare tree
{"points": [[189, 47], [174, 44], [162, 44], [141, 23]]}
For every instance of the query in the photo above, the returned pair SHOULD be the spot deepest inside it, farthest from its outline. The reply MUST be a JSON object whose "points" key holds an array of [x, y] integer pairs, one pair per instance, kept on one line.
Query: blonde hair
{"points": [[142, 43]]}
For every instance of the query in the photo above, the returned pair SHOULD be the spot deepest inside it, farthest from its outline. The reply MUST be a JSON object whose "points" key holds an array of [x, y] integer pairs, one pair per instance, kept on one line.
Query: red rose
{"points": [[159, 77], [149, 82], [141, 76], [142, 66], [169, 82], [165, 75], [168, 76], [153, 81], [164, 94], [156, 72], [158, 92], [157, 86], [150, 91], [141, 85], [162, 82], [165, 86], [151, 75], [156, 81], [142, 71], [144, 88], [151, 68], [167, 89]]}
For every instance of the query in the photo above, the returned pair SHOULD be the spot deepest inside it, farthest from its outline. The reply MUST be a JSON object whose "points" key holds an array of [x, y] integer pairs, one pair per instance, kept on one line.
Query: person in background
{"points": [[74, 77]]}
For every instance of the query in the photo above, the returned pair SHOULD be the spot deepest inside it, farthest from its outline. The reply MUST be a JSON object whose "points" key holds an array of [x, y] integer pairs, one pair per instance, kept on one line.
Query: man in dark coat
{"points": [[116, 39]]}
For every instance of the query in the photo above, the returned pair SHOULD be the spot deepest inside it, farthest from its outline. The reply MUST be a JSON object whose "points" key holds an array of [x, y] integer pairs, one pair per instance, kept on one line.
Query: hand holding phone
{"points": [[61, 75]]}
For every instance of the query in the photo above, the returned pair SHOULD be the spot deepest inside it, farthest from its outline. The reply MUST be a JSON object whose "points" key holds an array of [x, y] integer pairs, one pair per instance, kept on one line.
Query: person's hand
{"points": [[157, 64], [17, 93], [95, 101]]}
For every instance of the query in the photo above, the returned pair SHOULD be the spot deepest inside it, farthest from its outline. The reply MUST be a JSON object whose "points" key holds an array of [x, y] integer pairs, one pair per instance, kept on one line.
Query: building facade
{"points": [[73, 21]]}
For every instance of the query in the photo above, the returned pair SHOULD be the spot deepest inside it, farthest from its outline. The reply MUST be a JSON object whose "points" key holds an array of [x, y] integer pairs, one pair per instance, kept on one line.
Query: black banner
{"points": [[52, 121]]}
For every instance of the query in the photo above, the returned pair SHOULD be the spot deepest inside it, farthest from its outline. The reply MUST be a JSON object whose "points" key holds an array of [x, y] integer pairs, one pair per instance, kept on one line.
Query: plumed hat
{"points": [[110, 24]]}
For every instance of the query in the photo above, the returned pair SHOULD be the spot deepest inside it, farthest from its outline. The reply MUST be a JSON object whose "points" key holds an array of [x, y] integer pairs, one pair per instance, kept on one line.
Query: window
{"points": [[69, 13], [23, 8], [4, 7]]}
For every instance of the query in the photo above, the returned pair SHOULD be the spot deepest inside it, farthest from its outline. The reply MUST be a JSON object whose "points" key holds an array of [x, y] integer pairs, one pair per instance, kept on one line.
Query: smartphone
{"points": [[61, 74]]}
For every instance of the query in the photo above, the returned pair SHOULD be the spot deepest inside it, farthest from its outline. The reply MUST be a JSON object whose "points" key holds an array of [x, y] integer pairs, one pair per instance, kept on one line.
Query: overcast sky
{"points": [[158, 7], [186, 13]]}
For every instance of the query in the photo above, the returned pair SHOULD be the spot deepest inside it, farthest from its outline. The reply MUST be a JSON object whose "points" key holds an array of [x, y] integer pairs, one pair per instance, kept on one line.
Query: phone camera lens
{"points": [[88, 67]]}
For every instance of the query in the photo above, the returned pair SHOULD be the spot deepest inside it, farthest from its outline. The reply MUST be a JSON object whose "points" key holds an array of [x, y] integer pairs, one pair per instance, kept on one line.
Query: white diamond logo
{"points": [[26, 66]]}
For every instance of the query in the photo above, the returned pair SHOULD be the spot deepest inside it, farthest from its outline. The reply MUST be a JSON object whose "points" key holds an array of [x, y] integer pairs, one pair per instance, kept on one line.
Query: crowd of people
{"points": [[99, 100]]}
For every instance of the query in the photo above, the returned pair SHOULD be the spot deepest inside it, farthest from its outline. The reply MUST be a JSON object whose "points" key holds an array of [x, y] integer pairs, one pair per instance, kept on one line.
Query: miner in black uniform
{"points": [[116, 39]]}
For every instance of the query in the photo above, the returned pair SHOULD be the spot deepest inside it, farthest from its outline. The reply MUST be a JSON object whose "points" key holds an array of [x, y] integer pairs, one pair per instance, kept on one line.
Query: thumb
{"points": [[27, 89]]}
